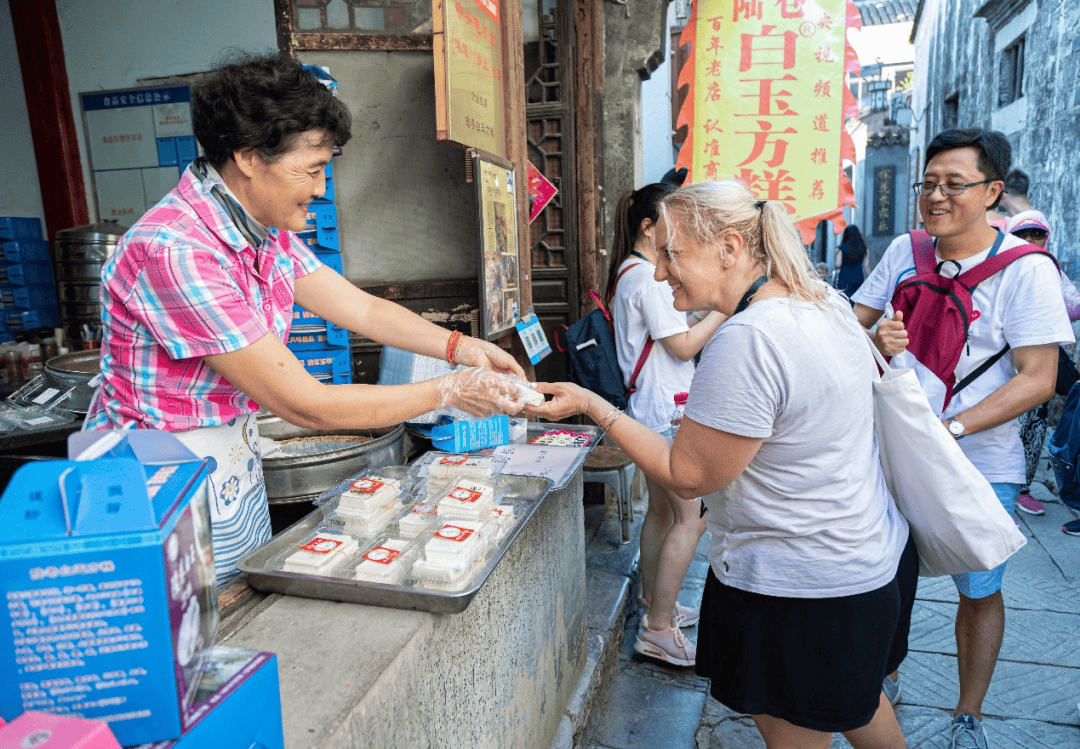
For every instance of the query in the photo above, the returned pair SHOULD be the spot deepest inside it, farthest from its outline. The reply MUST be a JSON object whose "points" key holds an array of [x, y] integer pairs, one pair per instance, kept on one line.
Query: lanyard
{"points": [[745, 301], [635, 253]]}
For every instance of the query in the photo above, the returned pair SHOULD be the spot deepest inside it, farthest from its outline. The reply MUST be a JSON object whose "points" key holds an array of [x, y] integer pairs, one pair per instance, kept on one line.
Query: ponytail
{"points": [[631, 210], [707, 210]]}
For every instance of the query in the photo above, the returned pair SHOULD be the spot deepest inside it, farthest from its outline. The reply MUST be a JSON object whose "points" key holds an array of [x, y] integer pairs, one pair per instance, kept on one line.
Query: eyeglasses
{"points": [[948, 190]]}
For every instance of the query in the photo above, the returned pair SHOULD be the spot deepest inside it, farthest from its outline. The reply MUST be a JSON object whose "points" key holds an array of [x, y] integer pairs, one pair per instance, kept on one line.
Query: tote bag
{"points": [[956, 519]]}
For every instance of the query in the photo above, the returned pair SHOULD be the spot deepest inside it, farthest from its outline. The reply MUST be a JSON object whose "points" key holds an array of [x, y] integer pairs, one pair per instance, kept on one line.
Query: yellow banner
{"points": [[768, 98]]}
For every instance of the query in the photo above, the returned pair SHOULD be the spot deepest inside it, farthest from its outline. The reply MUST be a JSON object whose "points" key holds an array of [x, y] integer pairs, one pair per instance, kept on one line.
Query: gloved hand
{"points": [[479, 392]]}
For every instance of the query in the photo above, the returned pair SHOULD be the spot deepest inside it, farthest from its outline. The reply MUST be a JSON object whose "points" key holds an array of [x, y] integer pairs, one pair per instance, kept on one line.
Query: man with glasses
{"points": [[1021, 306]]}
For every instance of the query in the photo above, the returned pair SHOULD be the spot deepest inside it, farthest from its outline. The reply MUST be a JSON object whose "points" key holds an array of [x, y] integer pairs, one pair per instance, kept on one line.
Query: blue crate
{"points": [[26, 251], [19, 227], [322, 216], [332, 366], [321, 242], [314, 337], [166, 152], [28, 297], [328, 196], [30, 319], [26, 274]]}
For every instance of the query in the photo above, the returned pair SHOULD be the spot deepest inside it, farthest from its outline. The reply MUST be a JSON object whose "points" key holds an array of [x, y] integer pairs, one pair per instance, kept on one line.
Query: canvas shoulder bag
{"points": [[956, 519]]}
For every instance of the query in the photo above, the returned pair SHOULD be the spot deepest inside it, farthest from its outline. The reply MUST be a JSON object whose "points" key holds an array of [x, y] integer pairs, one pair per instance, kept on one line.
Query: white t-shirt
{"points": [[1022, 306], [643, 307], [811, 516]]}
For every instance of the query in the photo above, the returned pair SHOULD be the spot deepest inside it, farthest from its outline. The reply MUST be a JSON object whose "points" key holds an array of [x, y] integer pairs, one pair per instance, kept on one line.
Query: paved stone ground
{"points": [[1032, 702]]}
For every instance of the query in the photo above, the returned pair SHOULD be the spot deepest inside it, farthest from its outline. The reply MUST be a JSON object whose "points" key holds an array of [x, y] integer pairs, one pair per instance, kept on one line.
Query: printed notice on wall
{"points": [[469, 101]]}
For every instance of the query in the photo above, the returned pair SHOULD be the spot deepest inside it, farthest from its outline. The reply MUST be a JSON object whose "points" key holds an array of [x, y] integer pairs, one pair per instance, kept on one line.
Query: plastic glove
{"points": [[478, 392]]}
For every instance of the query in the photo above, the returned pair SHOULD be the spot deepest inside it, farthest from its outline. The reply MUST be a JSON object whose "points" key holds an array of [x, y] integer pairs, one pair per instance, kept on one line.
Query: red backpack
{"points": [[938, 310]]}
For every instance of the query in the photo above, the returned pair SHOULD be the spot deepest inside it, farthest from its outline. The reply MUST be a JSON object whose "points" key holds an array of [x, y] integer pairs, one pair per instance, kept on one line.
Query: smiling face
{"points": [[278, 194], [693, 270], [957, 215]]}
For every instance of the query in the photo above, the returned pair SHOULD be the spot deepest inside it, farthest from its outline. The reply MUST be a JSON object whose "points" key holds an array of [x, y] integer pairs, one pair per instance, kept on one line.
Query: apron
{"points": [[239, 512]]}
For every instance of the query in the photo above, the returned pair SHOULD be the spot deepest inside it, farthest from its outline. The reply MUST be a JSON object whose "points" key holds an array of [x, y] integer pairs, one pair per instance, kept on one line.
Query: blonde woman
{"points": [[802, 614]]}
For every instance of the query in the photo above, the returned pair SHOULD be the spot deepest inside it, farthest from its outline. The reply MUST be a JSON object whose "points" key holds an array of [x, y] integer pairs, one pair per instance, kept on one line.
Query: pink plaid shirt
{"points": [[182, 284]]}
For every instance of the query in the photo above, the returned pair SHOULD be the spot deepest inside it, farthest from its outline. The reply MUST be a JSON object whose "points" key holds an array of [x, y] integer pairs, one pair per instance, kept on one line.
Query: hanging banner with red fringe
{"points": [[768, 99]]}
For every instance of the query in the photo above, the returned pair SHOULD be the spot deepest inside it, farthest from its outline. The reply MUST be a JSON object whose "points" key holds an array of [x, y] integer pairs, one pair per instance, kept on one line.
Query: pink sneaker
{"points": [[1027, 503], [683, 617], [668, 645]]}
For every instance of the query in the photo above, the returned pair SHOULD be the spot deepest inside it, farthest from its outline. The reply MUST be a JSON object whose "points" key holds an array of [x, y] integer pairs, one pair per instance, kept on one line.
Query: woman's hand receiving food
{"points": [[479, 392], [568, 400], [474, 352]]}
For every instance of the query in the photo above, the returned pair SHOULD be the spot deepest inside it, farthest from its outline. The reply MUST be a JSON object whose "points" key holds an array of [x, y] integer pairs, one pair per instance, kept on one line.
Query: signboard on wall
{"points": [[500, 287], [469, 104], [139, 143], [884, 203], [767, 102]]}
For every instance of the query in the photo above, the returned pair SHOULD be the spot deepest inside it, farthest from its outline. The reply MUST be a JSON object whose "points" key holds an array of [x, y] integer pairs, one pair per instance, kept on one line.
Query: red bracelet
{"points": [[452, 345]]}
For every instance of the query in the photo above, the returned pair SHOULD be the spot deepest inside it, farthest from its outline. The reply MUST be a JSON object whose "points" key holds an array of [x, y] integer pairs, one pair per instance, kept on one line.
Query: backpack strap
{"points": [[979, 371], [640, 363], [621, 274], [922, 249], [995, 264]]}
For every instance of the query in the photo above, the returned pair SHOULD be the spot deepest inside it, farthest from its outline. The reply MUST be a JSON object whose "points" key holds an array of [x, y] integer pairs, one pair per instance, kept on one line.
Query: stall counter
{"points": [[497, 675]]}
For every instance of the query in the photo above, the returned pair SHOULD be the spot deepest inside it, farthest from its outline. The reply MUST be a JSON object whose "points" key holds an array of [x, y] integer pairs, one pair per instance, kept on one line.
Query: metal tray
{"points": [[528, 492]]}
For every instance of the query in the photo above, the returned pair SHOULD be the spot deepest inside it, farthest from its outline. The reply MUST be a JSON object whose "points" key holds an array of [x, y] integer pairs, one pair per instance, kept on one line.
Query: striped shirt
{"points": [[187, 281]]}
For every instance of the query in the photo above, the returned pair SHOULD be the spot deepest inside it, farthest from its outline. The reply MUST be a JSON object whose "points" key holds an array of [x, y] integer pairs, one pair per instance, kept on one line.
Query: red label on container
{"points": [[319, 545], [464, 495], [382, 555], [367, 486], [453, 460], [454, 533]]}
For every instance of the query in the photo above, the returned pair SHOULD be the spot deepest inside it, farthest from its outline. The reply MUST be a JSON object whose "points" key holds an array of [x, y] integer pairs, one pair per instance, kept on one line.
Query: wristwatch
{"points": [[956, 428]]}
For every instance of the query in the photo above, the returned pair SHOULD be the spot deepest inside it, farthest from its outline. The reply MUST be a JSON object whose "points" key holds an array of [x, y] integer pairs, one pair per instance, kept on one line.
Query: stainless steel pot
{"points": [[75, 370], [303, 477], [93, 242]]}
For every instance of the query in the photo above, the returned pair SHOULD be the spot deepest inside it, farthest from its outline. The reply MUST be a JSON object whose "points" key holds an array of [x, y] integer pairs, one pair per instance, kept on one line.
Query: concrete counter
{"points": [[498, 675]]}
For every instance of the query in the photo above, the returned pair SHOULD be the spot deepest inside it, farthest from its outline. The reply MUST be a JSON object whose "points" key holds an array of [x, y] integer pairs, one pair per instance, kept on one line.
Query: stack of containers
{"points": [[27, 291], [322, 346], [80, 253]]}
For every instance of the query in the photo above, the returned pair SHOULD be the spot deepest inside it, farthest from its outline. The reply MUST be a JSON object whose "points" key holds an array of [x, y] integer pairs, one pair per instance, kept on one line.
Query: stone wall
{"points": [[634, 33], [957, 54]]}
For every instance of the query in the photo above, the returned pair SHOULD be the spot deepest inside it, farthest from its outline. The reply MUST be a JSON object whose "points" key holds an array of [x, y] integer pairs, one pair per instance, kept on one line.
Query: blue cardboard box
{"points": [[15, 227], [238, 704], [332, 366], [471, 434], [107, 573]]}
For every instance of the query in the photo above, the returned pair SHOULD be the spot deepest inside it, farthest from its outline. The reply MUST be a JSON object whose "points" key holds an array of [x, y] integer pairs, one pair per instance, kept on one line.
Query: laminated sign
{"points": [[768, 99]]}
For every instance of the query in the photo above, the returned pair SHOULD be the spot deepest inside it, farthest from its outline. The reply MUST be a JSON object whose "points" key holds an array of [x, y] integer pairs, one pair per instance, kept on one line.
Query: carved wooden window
{"points": [[353, 24]]}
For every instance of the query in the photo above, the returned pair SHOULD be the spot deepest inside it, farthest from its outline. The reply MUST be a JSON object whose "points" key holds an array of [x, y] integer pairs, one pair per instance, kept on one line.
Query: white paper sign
{"points": [[542, 461]]}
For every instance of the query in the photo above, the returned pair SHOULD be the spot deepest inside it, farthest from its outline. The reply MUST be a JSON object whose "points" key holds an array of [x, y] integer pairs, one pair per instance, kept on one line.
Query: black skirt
{"points": [[817, 663]]}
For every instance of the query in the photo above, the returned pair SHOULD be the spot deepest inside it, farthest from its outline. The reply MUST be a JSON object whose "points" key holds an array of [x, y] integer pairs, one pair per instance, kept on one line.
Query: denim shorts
{"points": [[983, 584]]}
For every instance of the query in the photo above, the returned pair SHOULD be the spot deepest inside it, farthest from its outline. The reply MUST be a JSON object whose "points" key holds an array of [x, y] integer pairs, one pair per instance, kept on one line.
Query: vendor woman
{"points": [[198, 298]]}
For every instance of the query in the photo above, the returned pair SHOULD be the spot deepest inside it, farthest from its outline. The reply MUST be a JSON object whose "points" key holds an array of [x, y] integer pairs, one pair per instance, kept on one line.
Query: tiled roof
{"points": [[880, 12]]}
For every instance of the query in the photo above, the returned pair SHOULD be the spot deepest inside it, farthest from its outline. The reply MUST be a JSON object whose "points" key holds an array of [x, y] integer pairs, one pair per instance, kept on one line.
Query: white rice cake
{"points": [[469, 499], [365, 523], [321, 554], [461, 466], [369, 494], [387, 563], [456, 543], [500, 521], [447, 578], [529, 396], [416, 521]]}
